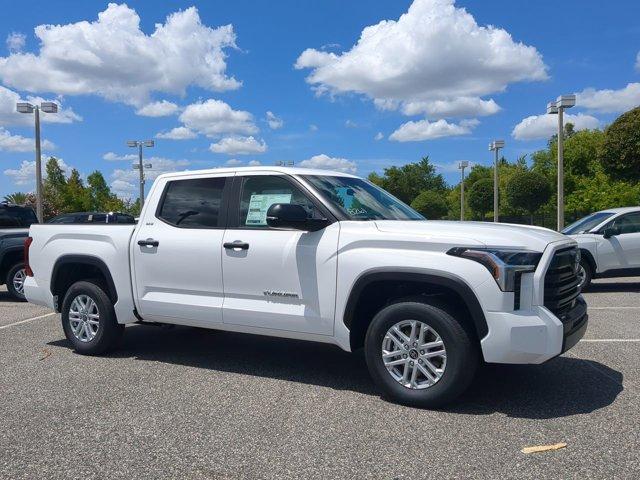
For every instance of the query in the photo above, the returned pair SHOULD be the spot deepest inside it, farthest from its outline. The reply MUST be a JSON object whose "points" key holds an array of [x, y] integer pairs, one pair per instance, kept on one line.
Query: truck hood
{"points": [[488, 234]]}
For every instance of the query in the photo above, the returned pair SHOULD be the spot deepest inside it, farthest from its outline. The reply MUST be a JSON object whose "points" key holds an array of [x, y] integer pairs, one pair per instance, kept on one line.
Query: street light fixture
{"points": [[141, 166], [47, 107], [462, 165], [495, 146], [557, 108]]}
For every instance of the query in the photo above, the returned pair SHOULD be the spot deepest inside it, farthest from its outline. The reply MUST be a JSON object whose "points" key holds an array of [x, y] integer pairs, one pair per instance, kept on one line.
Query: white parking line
{"points": [[613, 308], [597, 340], [27, 320]]}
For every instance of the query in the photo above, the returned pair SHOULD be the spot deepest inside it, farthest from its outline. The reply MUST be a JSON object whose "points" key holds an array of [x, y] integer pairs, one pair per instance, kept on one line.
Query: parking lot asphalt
{"points": [[192, 403]]}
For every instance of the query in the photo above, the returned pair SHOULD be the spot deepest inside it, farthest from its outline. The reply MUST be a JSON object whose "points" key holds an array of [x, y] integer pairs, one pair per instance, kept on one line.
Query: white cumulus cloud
{"points": [[425, 130], [162, 108], [379, 136], [239, 146], [113, 58], [177, 133], [435, 51], [16, 42], [18, 143], [610, 101], [9, 115], [124, 182], [545, 126], [215, 117], [114, 157], [274, 121], [25, 174], [325, 162], [457, 107]]}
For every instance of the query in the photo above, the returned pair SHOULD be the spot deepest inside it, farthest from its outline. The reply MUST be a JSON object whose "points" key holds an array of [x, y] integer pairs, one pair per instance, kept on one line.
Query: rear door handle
{"points": [[237, 245], [149, 242]]}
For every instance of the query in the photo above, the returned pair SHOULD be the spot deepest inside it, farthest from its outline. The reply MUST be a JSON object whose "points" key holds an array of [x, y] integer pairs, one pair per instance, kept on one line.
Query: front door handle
{"points": [[237, 245], [149, 242]]}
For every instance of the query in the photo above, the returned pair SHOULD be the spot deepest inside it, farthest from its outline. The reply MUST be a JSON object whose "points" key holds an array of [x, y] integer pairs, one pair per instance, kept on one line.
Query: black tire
{"points": [[461, 349], [109, 330], [13, 271], [588, 273]]}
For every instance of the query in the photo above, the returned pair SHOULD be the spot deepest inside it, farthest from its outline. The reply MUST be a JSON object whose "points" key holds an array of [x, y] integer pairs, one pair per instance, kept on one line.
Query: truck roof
{"points": [[622, 210], [276, 169]]}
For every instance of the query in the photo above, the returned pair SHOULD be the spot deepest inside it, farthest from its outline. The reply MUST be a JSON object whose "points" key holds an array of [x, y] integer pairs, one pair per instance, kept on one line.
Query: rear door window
{"points": [[193, 203]]}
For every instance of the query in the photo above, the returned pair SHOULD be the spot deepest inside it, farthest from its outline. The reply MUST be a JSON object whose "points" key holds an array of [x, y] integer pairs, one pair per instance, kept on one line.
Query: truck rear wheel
{"points": [[89, 320], [419, 354], [15, 281]]}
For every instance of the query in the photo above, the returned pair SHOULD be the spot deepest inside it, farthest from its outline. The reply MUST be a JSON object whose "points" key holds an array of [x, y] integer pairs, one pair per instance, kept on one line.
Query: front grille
{"points": [[561, 282]]}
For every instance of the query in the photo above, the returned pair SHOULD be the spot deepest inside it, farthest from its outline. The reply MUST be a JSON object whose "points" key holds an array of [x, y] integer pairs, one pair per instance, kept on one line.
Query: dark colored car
{"points": [[14, 228], [93, 217]]}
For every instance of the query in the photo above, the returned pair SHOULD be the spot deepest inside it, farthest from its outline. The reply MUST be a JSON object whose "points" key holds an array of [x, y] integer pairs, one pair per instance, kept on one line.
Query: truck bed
{"points": [[55, 244]]}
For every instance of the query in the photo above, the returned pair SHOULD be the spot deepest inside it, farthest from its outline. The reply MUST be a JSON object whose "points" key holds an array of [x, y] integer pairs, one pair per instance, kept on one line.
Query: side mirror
{"points": [[610, 232], [287, 215]]}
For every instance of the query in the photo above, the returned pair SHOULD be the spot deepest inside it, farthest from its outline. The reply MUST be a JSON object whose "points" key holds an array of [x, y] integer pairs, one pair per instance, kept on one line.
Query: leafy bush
{"points": [[432, 204]]}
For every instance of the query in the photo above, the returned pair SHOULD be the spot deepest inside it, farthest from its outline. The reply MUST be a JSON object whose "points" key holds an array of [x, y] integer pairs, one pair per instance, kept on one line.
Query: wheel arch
{"points": [[589, 257], [395, 285], [10, 256], [69, 269]]}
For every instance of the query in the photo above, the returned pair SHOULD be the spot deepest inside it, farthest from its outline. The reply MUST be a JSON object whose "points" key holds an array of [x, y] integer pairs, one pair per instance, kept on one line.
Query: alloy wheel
{"points": [[414, 354], [84, 318], [18, 281]]}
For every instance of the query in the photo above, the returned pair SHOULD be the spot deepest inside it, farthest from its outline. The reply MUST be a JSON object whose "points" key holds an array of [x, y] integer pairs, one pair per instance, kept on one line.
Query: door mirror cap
{"points": [[291, 215], [610, 232]]}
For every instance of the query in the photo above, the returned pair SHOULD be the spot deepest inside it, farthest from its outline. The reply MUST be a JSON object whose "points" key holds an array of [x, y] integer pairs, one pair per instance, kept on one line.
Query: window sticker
{"points": [[259, 204]]}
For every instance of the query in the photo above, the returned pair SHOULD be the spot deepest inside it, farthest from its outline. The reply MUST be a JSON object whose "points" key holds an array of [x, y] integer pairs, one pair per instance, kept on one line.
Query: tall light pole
{"points": [[495, 146], [141, 166], [553, 108], [462, 165], [47, 107]]}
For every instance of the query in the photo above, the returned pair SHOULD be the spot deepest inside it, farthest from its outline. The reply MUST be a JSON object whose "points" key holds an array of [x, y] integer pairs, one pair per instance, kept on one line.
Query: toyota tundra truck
{"points": [[319, 256]]}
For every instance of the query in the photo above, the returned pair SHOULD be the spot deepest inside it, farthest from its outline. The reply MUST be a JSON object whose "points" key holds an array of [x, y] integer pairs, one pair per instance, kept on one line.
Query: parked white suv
{"points": [[320, 256], [609, 242]]}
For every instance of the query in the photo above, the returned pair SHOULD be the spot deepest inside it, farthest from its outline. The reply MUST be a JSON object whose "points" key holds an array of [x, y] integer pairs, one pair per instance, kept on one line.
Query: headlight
{"points": [[505, 265]]}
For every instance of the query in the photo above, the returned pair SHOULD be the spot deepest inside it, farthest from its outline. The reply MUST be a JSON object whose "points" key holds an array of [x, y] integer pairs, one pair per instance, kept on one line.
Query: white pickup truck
{"points": [[320, 256]]}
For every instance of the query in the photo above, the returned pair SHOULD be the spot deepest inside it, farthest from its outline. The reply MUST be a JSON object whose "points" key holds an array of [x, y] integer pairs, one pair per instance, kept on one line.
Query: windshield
{"points": [[587, 223], [361, 200], [11, 216]]}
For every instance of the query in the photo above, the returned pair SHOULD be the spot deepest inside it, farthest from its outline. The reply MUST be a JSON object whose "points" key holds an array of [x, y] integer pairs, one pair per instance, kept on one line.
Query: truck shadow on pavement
{"points": [[562, 387], [609, 287]]}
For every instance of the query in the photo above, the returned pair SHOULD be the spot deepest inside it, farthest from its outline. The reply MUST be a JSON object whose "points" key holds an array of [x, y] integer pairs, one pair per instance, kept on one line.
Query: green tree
{"points": [[55, 184], [17, 198], [599, 192], [620, 153], [406, 182], [528, 191], [480, 197], [431, 203], [101, 197], [77, 197]]}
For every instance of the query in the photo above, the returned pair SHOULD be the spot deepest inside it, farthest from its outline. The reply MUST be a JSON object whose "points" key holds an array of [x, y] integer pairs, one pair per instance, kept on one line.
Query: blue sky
{"points": [[442, 80]]}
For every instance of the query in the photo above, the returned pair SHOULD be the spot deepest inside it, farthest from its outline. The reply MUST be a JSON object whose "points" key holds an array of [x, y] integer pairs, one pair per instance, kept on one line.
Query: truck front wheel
{"points": [[419, 354], [89, 320]]}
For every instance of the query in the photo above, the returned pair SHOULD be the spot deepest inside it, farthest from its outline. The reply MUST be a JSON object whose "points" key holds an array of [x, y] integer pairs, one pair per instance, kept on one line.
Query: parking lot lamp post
{"points": [[557, 108], [495, 146], [462, 165], [141, 166], [47, 107]]}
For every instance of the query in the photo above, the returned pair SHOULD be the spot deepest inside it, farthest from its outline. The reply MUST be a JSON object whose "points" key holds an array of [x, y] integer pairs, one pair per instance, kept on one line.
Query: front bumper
{"points": [[532, 336]]}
